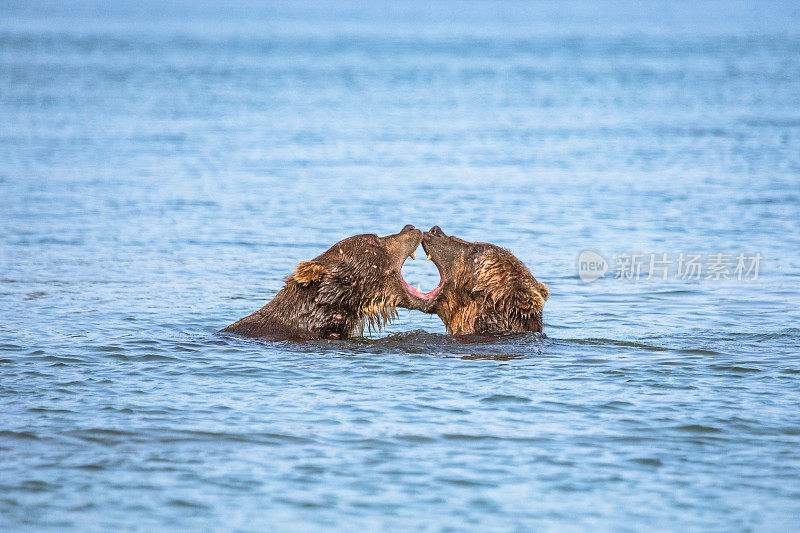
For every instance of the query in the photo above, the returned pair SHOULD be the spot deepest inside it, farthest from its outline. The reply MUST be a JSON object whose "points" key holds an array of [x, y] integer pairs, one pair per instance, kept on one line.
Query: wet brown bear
{"points": [[356, 283], [484, 289]]}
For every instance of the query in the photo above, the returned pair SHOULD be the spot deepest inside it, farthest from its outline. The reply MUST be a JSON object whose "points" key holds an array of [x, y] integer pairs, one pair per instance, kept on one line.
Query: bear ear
{"points": [[543, 290], [308, 272], [511, 281], [528, 298]]}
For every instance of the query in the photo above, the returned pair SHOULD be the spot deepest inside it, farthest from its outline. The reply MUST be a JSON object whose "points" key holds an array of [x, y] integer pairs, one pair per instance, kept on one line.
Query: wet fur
{"points": [[340, 293], [493, 292]]}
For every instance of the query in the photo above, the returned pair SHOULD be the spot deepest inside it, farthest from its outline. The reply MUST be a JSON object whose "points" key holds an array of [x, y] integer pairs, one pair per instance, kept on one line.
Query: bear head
{"points": [[483, 288], [356, 283]]}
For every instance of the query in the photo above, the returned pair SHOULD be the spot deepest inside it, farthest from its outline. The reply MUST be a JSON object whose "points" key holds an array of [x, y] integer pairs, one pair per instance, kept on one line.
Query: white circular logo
{"points": [[591, 266]]}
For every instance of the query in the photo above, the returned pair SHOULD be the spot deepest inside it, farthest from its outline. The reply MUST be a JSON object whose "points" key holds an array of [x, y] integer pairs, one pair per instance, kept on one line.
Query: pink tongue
{"points": [[415, 292], [420, 294]]}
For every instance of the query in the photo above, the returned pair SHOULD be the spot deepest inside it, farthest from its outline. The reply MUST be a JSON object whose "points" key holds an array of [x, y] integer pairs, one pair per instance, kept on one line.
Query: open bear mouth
{"points": [[417, 292]]}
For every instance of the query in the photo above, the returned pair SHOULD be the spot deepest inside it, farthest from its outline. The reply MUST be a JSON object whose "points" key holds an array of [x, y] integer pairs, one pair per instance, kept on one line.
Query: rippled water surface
{"points": [[162, 169]]}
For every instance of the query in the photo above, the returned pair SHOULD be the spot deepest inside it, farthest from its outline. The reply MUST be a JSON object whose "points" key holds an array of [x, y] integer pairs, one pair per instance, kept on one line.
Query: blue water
{"points": [[163, 168]]}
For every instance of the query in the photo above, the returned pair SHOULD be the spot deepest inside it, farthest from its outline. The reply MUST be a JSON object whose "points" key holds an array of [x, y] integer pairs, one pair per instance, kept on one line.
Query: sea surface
{"points": [[163, 167]]}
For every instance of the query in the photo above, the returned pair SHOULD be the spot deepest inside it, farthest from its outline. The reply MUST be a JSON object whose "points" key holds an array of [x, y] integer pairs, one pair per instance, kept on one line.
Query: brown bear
{"points": [[356, 283], [484, 289]]}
